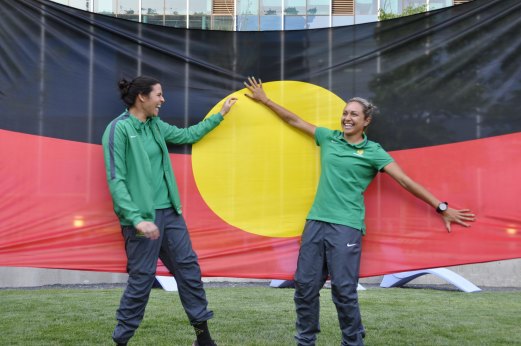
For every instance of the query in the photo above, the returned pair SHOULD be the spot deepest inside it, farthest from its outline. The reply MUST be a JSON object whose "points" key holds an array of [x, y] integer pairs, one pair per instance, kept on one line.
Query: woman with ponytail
{"points": [[146, 200]]}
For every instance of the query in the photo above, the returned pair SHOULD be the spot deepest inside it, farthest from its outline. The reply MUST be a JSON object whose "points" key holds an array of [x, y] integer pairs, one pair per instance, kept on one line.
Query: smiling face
{"points": [[354, 120], [152, 102]]}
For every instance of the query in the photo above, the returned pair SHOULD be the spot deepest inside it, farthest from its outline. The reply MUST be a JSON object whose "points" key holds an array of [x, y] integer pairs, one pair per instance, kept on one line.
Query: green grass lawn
{"points": [[263, 316]]}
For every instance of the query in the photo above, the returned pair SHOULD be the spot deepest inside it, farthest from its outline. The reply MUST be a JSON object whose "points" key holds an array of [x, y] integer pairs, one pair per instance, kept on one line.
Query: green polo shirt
{"points": [[155, 156], [347, 169]]}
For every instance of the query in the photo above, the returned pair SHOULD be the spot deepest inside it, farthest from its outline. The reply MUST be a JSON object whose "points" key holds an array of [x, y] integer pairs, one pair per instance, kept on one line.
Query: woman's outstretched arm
{"points": [[259, 95]]}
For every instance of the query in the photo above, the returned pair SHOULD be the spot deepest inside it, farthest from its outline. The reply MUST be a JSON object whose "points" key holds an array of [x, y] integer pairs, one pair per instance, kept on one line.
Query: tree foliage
{"points": [[408, 11]]}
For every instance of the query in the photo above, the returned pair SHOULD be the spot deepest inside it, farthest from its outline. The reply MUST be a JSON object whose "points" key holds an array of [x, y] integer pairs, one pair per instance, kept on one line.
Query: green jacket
{"points": [[128, 168]]}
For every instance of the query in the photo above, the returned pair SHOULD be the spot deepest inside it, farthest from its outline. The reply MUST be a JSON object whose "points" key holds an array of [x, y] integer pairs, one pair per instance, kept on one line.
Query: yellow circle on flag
{"points": [[258, 173]]}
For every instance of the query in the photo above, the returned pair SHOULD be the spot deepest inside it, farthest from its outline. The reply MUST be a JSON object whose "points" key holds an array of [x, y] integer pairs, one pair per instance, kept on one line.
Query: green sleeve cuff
{"points": [[137, 220]]}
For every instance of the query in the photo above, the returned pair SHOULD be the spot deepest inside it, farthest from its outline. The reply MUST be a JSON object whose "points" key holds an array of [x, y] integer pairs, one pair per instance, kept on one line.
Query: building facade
{"points": [[253, 15]]}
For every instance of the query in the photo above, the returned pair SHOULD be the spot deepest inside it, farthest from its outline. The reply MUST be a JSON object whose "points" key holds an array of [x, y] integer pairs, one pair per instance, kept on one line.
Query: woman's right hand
{"points": [[148, 229], [257, 92], [230, 101]]}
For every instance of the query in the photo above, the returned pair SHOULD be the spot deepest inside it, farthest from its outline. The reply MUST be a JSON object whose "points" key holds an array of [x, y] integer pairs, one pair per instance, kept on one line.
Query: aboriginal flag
{"points": [[447, 82]]}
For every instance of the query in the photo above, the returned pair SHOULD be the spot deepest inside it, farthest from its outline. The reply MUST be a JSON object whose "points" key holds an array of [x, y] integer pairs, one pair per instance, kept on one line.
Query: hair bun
{"points": [[123, 86]]}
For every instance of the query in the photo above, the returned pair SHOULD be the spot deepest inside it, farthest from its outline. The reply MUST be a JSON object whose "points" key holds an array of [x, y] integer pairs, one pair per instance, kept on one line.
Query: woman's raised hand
{"points": [[257, 92]]}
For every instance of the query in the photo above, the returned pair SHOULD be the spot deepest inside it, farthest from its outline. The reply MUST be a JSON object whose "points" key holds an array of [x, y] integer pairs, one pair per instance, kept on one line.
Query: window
{"points": [[128, 9], [270, 15], [199, 22], [314, 22], [175, 7], [153, 11], [106, 7], [294, 22], [80, 4], [222, 23], [414, 3], [175, 20], [295, 7], [247, 7], [271, 8], [391, 6], [247, 23], [366, 7], [248, 15], [175, 13], [271, 22], [343, 20], [318, 7], [436, 4], [223, 12], [200, 7], [200, 14]]}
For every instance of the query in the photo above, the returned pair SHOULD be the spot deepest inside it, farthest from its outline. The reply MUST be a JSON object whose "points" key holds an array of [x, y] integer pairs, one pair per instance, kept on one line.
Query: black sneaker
{"points": [[210, 344]]}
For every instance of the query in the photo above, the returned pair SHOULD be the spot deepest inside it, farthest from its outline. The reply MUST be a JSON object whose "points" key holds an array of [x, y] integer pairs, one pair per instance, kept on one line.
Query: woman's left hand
{"points": [[461, 217], [230, 101]]}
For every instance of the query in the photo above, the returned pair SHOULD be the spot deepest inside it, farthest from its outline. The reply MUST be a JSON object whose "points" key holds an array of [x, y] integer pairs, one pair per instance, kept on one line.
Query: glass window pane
{"points": [[318, 7], [80, 4], [271, 7], [158, 20], [152, 7], [271, 22], [392, 6], [436, 4], [359, 19], [200, 7], [128, 7], [107, 7], [294, 22], [222, 23], [176, 7], [152, 11], [366, 7], [175, 21], [294, 7], [343, 20], [199, 22], [247, 23], [248, 7], [414, 3], [314, 22]]}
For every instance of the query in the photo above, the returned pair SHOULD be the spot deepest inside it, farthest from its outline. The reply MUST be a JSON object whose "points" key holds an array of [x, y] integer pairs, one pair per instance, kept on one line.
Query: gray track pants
{"points": [[174, 248], [335, 250]]}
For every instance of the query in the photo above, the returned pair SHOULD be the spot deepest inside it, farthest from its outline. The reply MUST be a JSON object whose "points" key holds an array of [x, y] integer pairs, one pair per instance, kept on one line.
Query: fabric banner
{"points": [[447, 84]]}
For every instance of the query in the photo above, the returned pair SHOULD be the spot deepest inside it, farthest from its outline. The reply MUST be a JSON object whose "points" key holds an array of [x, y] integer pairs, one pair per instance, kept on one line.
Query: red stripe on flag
{"points": [[56, 212]]}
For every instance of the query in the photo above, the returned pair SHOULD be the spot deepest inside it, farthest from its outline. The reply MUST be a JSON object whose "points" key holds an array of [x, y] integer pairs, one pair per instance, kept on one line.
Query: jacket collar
{"points": [[139, 125]]}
